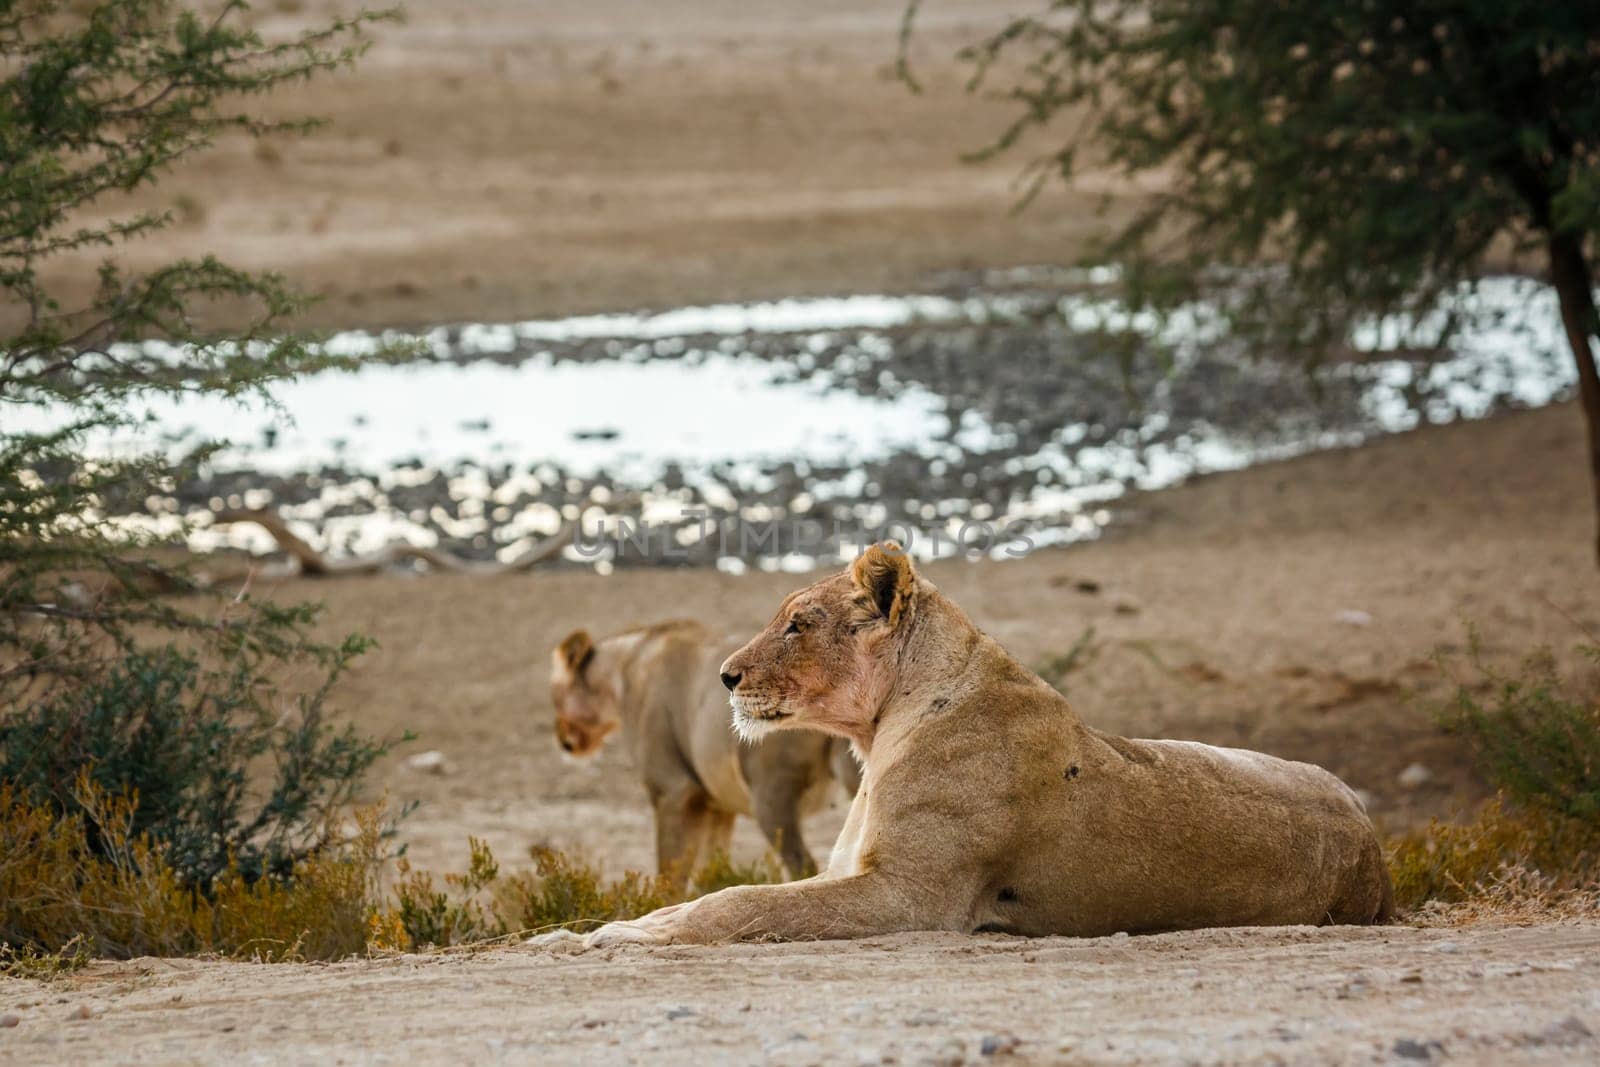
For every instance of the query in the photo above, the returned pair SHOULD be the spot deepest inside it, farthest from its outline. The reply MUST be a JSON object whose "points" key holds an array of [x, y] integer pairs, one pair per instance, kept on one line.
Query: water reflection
{"points": [[934, 410]]}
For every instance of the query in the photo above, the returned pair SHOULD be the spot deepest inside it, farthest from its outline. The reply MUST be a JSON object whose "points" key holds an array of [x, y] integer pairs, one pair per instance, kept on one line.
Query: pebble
{"points": [[8, 1021], [82, 1011], [999, 1044], [430, 762], [1350, 617], [1414, 776], [1408, 1049], [1569, 1031], [682, 1011]]}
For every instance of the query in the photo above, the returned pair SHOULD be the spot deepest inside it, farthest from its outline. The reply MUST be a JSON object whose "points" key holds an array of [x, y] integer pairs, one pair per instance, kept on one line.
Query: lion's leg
{"points": [[816, 909], [777, 810], [683, 819], [719, 833]]}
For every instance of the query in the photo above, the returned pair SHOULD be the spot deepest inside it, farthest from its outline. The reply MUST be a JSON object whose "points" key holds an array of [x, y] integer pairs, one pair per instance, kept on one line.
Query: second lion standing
{"points": [[658, 685]]}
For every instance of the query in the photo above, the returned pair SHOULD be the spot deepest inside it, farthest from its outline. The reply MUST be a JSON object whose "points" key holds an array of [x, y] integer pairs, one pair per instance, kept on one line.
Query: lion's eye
{"points": [[793, 628]]}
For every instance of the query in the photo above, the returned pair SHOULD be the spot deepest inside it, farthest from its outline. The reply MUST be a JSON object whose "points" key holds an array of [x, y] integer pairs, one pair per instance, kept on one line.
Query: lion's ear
{"points": [[575, 651], [883, 575]]}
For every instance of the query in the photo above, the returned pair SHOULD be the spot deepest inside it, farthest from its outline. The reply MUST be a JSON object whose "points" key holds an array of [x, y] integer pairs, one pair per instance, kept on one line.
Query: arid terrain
{"points": [[495, 160], [487, 164]]}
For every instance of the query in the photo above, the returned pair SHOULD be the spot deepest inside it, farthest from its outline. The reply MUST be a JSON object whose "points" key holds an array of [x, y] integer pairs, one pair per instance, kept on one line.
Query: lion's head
{"points": [[587, 707], [820, 661]]}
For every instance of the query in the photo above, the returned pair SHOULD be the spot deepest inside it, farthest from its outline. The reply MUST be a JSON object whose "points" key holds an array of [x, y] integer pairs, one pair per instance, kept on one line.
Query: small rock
{"points": [[1407, 1049], [1569, 1031], [1447, 946], [926, 1017], [952, 1053], [8, 1021], [1350, 617], [999, 1044], [682, 1011], [1125, 607], [82, 1011], [1086, 586], [1414, 776], [431, 762]]}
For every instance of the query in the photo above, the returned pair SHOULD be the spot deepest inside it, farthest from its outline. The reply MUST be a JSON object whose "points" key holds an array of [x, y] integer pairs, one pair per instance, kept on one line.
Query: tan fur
{"points": [[987, 804], [658, 686]]}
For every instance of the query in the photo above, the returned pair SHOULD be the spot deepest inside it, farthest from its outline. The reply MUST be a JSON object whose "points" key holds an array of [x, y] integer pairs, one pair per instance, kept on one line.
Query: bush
{"points": [[1537, 738], [1452, 863], [88, 884], [172, 707], [562, 891], [227, 776]]}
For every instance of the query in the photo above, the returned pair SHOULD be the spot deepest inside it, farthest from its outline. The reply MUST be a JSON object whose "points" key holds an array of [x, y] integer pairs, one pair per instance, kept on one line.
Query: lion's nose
{"points": [[730, 679]]}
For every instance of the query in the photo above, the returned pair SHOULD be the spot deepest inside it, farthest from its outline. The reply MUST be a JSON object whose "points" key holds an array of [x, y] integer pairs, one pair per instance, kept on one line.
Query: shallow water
{"points": [[996, 416]]}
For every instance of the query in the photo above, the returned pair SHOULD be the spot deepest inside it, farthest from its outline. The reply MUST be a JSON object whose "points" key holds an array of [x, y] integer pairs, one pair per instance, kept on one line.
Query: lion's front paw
{"points": [[657, 928]]}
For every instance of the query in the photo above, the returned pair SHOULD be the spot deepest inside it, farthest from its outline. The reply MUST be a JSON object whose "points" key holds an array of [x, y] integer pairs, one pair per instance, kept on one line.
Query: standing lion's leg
{"points": [[777, 810], [682, 826], [719, 834], [864, 905]]}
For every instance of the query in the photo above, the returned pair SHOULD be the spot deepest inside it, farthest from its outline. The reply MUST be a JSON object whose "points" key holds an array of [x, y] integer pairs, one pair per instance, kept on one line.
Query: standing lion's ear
{"points": [[575, 651], [884, 577]]}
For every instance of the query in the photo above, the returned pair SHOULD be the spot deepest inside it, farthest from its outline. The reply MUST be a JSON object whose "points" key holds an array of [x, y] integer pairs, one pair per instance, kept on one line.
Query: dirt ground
{"points": [[1292, 995], [495, 160]]}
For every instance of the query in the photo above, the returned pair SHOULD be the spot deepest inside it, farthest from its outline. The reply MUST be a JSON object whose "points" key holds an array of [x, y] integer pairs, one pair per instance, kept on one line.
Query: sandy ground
{"points": [[496, 159], [1292, 995]]}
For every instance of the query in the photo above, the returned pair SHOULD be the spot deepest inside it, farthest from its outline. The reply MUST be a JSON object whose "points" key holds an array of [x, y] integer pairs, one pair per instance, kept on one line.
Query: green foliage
{"points": [[1536, 738], [207, 709], [1316, 163], [452, 916], [101, 99], [227, 775]]}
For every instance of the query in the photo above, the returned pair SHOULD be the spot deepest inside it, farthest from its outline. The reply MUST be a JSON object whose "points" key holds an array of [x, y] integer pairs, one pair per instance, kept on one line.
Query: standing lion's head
{"points": [[819, 662], [587, 705]]}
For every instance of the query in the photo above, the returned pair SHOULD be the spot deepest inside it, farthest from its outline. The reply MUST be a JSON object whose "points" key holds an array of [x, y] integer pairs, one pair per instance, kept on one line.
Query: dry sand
{"points": [[1295, 995], [495, 159]]}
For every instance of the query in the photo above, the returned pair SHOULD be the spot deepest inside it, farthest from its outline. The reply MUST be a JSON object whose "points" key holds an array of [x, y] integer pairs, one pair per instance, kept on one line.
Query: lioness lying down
{"points": [[658, 684], [987, 804]]}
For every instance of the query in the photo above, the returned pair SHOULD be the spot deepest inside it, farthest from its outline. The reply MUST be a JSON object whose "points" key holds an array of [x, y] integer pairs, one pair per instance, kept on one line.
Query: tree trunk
{"points": [[1575, 289]]}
